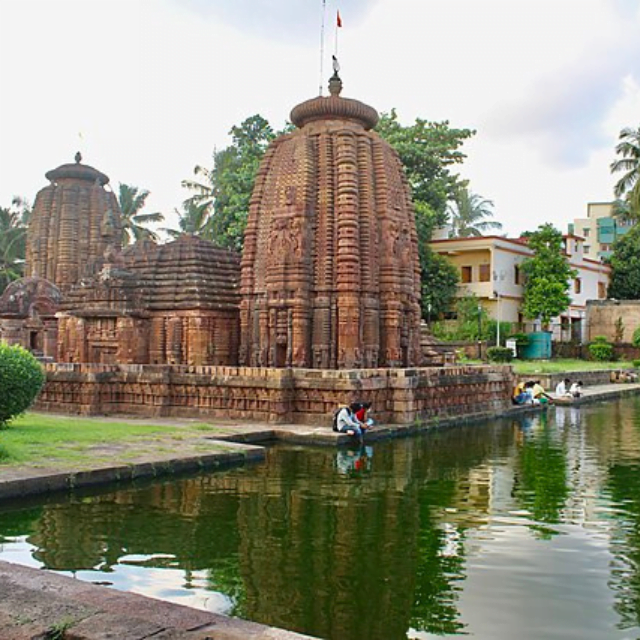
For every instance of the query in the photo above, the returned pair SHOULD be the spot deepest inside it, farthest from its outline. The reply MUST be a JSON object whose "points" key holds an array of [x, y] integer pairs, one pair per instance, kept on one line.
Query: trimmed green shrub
{"points": [[21, 378], [499, 354], [636, 364], [601, 351], [635, 340], [600, 340]]}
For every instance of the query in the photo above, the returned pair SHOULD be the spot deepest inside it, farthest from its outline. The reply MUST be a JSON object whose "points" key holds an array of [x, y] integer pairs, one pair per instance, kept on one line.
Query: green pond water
{"points": [[513, 529]]}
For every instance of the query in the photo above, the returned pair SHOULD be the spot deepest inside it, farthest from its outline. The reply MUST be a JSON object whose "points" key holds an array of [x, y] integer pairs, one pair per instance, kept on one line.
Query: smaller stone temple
{"points": [[85, 300], [175, 303]]}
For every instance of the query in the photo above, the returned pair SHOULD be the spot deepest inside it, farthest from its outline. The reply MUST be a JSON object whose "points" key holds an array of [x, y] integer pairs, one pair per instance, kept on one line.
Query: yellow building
{"points": [[489, 268], [600, 229]]}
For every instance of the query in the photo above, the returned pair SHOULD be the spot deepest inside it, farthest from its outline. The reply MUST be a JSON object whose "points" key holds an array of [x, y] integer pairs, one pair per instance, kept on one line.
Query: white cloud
{"points": [[155, 85]]}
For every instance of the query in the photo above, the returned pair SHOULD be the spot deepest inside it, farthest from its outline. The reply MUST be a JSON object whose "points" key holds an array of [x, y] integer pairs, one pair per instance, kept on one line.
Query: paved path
{"points": [[35, 603]]}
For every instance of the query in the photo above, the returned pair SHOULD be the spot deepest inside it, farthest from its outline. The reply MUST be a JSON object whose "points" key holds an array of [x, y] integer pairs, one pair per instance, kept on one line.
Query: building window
{"points": [[602, 290], [586, 249], [585, 232], [485, 272], [516, 274], [465, 275], [577, 285]]}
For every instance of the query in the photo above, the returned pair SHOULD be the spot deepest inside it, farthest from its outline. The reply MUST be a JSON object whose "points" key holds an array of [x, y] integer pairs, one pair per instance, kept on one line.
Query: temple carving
{"points": [[330, 270]]}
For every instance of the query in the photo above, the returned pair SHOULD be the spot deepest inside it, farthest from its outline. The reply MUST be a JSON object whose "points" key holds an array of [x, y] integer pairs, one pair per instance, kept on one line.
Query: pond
{"points": [[526, 528]]}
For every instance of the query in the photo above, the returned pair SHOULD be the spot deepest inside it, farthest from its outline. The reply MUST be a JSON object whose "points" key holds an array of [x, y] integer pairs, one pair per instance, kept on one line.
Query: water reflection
{"points": [[435, 536]]}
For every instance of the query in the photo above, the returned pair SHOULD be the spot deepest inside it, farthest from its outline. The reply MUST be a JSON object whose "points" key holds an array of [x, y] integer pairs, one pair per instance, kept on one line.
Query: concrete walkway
{"points": [[36, 604]]}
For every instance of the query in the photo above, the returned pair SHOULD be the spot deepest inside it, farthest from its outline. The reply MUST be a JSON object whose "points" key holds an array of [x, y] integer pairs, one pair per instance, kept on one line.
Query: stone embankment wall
{"points": [[306, 396], [588, 378]]}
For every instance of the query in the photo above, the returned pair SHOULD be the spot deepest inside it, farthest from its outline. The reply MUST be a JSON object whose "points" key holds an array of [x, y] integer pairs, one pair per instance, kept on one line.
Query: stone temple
{"points": [[322, 307], [330, 270]]}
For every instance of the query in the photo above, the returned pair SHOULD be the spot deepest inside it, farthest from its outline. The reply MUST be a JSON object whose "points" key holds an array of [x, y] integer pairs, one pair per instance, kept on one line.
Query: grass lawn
{"points": [[560, 365], [37, 439]]}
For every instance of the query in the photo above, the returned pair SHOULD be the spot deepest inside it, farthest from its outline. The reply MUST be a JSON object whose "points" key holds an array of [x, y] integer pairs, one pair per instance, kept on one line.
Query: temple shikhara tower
{"points": [[75, 221], [330, 270]]}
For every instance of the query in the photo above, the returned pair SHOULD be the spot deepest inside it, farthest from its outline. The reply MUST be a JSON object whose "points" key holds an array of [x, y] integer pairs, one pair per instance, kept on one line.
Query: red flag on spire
{"points": [[339, 22]]}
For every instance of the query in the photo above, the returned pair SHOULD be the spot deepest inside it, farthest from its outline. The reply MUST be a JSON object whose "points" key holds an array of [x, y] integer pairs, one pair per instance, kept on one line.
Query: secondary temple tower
{"points": [[75, 221], [330, 271]]}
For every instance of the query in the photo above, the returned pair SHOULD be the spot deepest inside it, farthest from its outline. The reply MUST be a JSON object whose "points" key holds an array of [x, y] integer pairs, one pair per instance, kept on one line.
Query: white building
{"points": [[489, 268]]}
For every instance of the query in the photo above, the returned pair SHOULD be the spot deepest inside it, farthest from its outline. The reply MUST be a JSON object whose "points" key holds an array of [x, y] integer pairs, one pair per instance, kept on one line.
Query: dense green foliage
{"points": [[21, 378], [499, 354], [627, 189], [635, 339], [467, 214], [427, 150], [223, 192], [547, 276], [472, 322], [134, 223], [625, 267], [600, 349], [13, 232], [439, 284]]}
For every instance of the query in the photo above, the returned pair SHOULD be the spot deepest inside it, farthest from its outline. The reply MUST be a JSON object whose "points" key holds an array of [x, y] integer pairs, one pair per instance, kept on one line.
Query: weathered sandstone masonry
{"points": [[400, 396]]}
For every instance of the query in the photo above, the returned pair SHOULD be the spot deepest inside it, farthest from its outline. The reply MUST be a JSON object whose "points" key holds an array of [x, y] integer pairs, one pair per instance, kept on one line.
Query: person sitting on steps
{"points": [[346, 422]]}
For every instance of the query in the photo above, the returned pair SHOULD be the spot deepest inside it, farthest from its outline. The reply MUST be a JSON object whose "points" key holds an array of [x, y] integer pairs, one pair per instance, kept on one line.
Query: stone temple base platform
{"points": [[300, 396]]}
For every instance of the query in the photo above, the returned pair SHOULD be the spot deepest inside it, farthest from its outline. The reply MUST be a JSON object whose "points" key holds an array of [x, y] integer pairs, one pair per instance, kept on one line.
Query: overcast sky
{"points": [[146, 89]]}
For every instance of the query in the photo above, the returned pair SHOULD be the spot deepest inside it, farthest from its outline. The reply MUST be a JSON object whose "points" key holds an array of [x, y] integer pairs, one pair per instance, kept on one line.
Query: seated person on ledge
{"points": [[540, 394], [520, 395], [576, 389], [346, 422], [562, 388]]}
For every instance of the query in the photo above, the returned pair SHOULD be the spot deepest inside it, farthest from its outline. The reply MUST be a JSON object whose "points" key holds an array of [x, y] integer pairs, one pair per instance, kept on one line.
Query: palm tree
{"points": [[13, 231], [132, 200], [467, 213], [628, 186], [194, 219]]}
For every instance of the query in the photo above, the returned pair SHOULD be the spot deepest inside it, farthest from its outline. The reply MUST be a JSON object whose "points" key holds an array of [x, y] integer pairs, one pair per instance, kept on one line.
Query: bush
{"points": [[522, 339], [600, 340], [499, 354], [635, 340], [21, 378], [601, 351], [636, 364]]}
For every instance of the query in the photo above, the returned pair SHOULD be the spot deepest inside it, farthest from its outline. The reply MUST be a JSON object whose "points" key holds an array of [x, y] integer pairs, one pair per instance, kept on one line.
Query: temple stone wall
{"points": [[399, 396]]}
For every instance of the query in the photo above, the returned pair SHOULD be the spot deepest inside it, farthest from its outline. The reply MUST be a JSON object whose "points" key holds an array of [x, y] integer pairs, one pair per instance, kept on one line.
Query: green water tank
{"points": [[539, 346]]}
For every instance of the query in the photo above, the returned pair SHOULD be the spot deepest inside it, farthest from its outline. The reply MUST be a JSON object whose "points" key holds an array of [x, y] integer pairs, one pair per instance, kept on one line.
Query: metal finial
{"points": [[78, 157]]}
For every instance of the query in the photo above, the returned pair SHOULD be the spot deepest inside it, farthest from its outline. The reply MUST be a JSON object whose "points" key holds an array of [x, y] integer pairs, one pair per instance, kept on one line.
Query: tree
{"points": [[428, 150], [194, 219], [132, 200], [13, 234], [440, 286], [547, 276], [226, 189], [467, 213], [625, 266], [628, 186]]}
